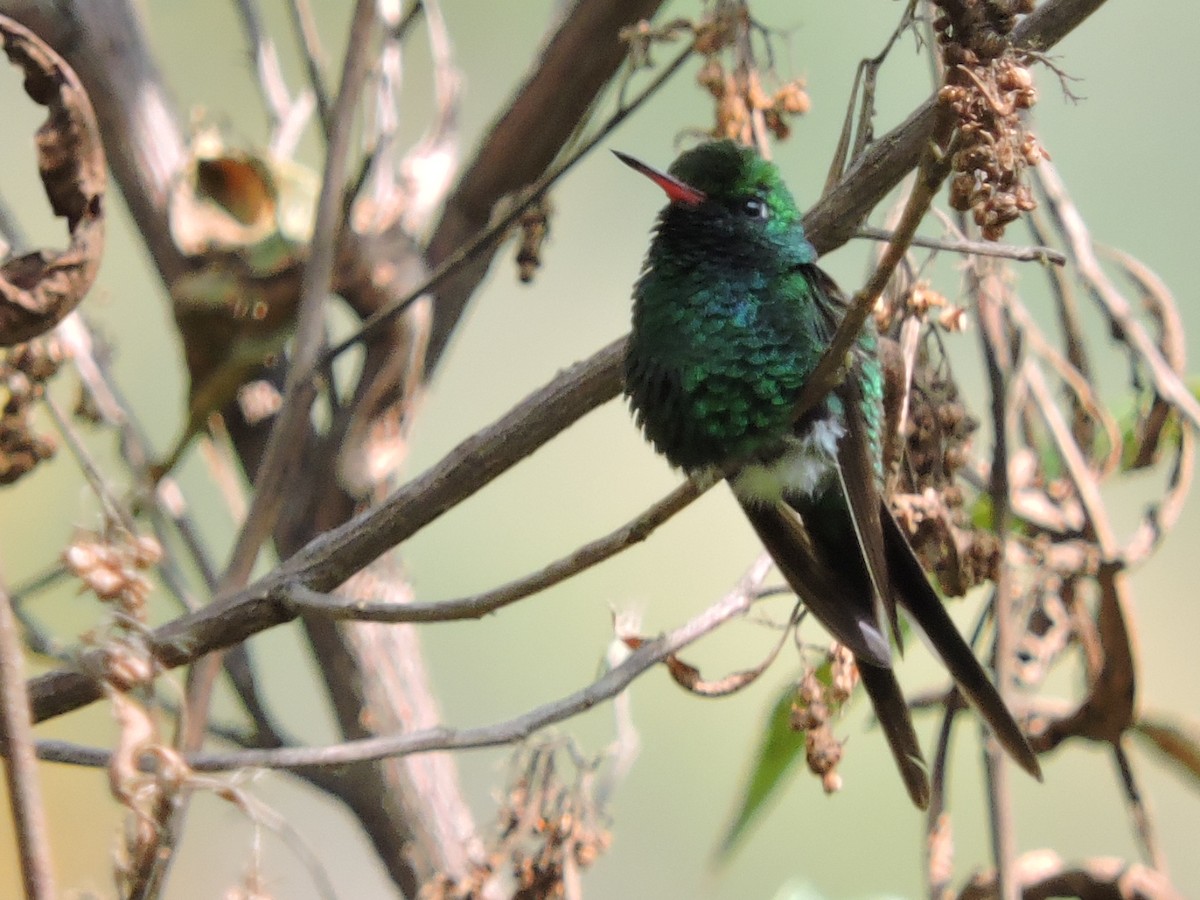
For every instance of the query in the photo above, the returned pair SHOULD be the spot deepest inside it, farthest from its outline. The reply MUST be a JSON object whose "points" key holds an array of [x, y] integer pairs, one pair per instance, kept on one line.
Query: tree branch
{"points": [[735, 603], [572, 68], [20, 763], [334, 606], [328, 560], [332, 557]]}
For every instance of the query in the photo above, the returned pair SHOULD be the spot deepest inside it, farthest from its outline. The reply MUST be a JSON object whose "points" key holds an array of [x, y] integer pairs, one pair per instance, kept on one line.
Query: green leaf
{"points": [[782, 747], [981, 513]]}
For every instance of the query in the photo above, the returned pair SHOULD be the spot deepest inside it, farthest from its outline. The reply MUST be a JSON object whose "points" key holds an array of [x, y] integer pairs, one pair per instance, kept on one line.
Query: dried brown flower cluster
{"points": [[987, 86], [923, 301], [534, 228], [112, 566], [549, 829], [740, 94], [929, 500], [736, 83], [24, 371], [145, 794], [815, 706]]}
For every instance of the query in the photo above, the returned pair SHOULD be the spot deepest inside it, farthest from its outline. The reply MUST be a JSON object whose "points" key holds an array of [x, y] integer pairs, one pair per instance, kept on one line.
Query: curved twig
{"points": [[735, 603], [310, 602]]}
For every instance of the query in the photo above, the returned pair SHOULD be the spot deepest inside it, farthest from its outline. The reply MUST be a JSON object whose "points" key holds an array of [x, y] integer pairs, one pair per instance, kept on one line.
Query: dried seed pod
{"points": [[711, 77], [792, 98]]}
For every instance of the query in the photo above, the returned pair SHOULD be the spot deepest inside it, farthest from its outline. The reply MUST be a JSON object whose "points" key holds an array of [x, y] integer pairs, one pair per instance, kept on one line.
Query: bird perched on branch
{"points": [[730, 317]]}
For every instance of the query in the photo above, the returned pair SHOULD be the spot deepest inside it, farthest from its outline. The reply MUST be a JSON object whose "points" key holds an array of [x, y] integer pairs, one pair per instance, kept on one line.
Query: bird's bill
{"points": [[677, 191]]}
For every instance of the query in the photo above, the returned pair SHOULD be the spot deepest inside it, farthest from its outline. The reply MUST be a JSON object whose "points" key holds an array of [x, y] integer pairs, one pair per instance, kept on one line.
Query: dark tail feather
{"points": [[892, 711], [845, 608], [923, 604]]}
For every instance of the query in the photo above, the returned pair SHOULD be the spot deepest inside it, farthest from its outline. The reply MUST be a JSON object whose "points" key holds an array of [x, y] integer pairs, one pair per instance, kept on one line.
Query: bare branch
{"points": [[328, 560], [1045, 255], [309, 602], [584, 53], [20, 764], [310, 44], [1139, 811], [734, 604], [995, 341], [1115, 306]]}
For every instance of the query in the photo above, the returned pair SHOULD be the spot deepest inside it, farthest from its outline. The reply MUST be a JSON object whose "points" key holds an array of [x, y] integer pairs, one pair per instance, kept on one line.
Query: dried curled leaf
{"points": [[39, 289], [692, 680], [1042, 873], [1109, 708]]}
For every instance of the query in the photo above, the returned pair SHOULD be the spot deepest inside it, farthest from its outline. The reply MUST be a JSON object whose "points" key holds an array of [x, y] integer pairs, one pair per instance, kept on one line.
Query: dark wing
{"points": [[916, 594], [838, 601], [845, 606], [856, 470]]}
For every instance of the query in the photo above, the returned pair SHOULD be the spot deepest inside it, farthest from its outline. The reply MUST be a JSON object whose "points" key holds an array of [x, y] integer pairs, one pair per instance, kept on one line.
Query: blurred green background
{"points": [[1123, 152]]}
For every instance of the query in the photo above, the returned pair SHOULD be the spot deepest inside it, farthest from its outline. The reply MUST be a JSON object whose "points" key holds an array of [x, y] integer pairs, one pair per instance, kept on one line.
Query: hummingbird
{"points": [[731, 315]]}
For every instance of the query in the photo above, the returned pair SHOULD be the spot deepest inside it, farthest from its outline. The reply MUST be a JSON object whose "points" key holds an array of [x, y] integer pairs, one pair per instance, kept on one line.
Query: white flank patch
{"points": [[803, 468]]}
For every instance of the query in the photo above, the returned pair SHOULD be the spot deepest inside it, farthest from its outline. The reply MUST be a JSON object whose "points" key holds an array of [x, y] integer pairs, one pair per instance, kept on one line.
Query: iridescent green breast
{"points": [[730, 315], [714, 365]]}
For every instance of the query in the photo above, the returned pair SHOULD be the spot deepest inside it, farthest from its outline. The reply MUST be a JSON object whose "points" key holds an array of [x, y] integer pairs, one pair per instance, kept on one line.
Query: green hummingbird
{"points": [[730, 316]]}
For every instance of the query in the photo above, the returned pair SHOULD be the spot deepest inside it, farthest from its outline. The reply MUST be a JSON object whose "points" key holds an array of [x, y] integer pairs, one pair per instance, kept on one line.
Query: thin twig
{"points": [[310, 602], [332, 557], [735, 603], [310, 44], [1087, 486], [266, 62], [1062, 288], [865, 77], [1143, 824], [1084, 398], [1160, 518], [1111, 301], [997, 351], [494, 232], [116, 510], [1045, 255], [933, 170], [939, 843], [1158, 303], [264, 817], [21, 769]]}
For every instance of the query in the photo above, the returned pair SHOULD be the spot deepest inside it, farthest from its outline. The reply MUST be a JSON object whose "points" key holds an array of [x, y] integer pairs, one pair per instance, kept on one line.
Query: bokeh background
{"points": [[1124, 150]]}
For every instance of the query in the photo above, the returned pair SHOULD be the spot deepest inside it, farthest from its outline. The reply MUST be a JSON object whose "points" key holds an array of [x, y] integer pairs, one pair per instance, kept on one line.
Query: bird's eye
{"points": [[756, 208]]}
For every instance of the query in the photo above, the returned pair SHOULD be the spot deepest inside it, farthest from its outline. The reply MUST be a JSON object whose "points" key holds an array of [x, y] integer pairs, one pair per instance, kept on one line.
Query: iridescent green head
{"points": [[725, 191]]}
